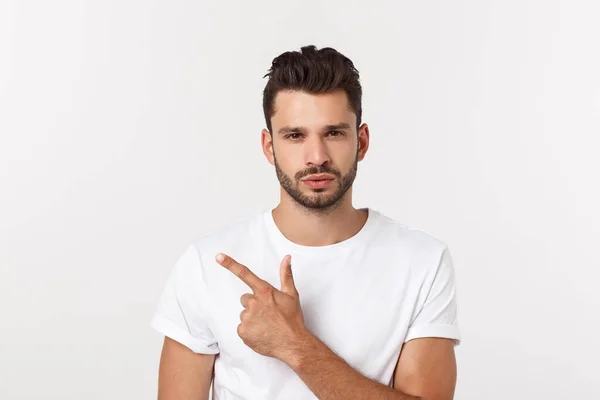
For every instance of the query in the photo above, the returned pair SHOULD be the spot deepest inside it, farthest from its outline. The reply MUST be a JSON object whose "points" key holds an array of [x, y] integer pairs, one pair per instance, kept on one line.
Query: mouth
{"points": [[318, 181], [319, 177]]}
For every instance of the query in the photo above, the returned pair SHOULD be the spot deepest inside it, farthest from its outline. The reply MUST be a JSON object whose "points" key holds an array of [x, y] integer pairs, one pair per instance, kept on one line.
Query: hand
{"points": [[272, 323]]}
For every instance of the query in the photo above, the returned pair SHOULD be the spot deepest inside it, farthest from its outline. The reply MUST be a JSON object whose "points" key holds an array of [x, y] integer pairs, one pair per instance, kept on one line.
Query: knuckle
{"points": [[265, 289], [243, 272]]}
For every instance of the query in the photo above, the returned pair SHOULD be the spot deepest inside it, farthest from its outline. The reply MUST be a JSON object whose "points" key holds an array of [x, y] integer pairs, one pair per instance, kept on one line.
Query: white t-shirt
{"points": [[363, 297]]}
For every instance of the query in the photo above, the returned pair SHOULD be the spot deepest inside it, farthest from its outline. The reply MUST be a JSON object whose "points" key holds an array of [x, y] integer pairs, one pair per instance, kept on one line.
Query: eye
{"points": [[335, 133], [293, 136]]}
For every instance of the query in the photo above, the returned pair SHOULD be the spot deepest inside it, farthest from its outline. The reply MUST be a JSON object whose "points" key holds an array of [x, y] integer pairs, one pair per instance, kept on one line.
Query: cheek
{"points": [[345, 158], [288, 159]]}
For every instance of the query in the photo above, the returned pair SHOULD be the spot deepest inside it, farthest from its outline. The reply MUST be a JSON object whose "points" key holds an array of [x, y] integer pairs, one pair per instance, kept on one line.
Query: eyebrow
{"points": [[296, 129], [290, 129], [340, 126]]}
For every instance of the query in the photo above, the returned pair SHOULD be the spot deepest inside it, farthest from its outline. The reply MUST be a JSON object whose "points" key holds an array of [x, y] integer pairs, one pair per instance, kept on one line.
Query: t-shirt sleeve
{"points": [[180, 314], [437, 316]]}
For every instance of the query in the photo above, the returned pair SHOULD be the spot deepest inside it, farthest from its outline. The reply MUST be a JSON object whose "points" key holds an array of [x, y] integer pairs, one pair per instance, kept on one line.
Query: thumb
{"points": [[287, 278]]}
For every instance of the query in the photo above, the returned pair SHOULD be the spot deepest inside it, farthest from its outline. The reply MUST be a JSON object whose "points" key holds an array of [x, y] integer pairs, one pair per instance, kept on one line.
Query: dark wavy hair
{"points": [[312, 71]]}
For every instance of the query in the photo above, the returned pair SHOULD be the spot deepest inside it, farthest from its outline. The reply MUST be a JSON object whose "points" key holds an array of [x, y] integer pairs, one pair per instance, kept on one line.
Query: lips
{"points": [[318, 181], [319, 177]]}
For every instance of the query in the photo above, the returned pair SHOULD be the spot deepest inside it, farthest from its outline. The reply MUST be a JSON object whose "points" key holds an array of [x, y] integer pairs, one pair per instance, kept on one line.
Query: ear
{"points": [[266, 140], [363, 141]]}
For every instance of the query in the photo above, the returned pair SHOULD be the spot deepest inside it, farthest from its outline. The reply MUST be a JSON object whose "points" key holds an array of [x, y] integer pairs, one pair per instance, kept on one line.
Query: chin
{"points": [[320, 192]]}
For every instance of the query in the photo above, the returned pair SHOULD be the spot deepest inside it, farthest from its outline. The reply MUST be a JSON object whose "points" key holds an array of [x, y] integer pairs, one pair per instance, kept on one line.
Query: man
{"points": [[313, 299]]}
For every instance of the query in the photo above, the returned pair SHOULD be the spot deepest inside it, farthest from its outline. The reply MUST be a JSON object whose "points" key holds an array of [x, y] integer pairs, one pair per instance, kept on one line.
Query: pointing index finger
{"points": [[241, 271]]}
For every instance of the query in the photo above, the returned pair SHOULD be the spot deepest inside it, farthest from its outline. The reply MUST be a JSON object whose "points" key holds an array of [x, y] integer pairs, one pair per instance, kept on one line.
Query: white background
{"points": [[130, 128]]}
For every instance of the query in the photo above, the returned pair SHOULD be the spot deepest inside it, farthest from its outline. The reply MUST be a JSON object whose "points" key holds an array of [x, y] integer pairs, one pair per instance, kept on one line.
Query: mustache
{"points": [[317, 170]]}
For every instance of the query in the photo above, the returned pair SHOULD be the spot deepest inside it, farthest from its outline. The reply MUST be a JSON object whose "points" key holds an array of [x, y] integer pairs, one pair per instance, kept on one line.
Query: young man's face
{"points": [[315, 146]]}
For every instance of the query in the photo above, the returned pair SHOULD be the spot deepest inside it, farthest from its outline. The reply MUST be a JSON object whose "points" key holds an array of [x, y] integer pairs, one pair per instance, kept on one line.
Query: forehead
{"points": [[311, 110]]}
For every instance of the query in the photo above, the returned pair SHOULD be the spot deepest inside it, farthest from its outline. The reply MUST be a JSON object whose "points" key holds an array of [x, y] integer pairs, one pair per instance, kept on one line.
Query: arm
{"points": [[183, 374], [329, 377], [189, 347], [427, 367], [272, 325]]}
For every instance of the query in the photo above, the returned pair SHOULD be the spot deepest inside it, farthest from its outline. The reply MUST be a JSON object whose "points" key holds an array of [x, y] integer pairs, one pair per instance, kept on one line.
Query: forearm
{"points": [[329, 377]]}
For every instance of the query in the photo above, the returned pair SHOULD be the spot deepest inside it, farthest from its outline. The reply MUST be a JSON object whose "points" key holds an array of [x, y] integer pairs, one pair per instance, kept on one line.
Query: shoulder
{"points": [[417, 255], [197, 260], [414, 239], [236, 234], [409, 250]]}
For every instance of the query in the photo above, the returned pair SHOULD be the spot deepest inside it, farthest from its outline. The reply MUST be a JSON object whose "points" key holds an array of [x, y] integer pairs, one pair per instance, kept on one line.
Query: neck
{"points": [[308, 227]]}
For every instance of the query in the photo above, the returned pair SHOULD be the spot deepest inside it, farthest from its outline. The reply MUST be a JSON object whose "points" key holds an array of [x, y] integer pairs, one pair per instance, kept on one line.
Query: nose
{"points": [[316, 152]]}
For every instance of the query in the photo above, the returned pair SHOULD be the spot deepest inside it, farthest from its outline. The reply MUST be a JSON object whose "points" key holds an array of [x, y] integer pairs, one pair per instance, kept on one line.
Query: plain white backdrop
{"points": [[130, 128]]}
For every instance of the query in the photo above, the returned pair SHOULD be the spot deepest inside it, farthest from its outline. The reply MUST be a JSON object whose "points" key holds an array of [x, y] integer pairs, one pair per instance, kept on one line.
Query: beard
{"points": [[319, 199]]}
